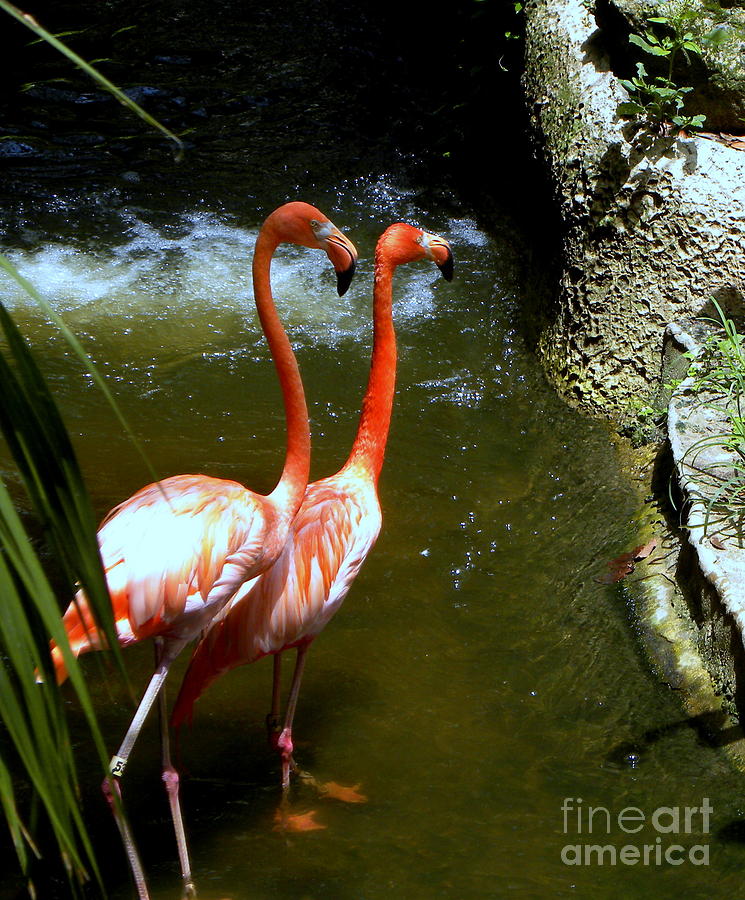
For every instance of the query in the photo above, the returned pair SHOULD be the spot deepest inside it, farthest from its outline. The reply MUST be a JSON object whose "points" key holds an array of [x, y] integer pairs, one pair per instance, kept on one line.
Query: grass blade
{"points": [[31, 23]]}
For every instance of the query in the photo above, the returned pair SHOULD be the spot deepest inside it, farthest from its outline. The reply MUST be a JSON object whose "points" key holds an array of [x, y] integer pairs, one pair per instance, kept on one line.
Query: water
{"points": [[477, 676]]}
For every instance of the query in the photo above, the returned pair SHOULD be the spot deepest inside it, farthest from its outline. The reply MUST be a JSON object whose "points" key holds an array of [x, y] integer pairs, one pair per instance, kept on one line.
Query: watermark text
{"points": [[656, 831]]}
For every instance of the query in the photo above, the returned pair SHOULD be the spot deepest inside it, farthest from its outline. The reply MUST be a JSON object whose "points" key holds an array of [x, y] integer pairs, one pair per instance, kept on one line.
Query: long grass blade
{"points": [[80, 352], [41, 447], [718, 381], [31, 23], [33, 713]]}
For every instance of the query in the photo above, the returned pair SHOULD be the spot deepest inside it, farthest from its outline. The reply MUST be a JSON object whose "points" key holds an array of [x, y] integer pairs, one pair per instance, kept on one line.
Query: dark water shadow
{"points": [[733, 832], [712, 729]]}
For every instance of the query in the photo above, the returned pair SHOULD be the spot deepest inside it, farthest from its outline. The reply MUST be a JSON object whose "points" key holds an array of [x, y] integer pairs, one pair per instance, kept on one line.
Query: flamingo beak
{"points": [[343, 255], [446, 266], [439, 250], [344, 279]]}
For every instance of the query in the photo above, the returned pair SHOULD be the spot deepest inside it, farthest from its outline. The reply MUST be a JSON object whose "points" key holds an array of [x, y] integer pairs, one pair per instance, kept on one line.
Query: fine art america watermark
{"points": [[653, 836]]}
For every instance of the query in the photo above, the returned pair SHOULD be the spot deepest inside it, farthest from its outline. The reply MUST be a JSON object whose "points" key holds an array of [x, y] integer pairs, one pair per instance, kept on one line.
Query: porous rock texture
{"points": [[653, 226]]}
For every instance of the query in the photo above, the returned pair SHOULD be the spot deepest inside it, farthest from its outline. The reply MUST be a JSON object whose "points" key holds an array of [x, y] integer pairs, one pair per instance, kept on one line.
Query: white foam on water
{"points": [[200, 266]]}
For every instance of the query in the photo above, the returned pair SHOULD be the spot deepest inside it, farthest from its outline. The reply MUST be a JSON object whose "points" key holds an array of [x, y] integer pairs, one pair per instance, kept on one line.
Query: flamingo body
{"points": [[176, 551], [291, 603], [173, 553], [334, 530]]}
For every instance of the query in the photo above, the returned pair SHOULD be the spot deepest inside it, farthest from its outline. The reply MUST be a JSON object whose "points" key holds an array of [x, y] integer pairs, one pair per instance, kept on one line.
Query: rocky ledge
{"points": [[654, 226], [653, 230]]}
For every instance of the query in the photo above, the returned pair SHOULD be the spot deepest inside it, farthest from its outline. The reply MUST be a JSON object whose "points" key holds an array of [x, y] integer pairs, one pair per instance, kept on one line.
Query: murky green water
{"points": [[477, 676]]}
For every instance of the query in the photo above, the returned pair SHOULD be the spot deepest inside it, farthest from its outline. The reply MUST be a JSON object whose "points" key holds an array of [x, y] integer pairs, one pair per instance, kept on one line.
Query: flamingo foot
{"points": [[332, 790], [296, 822], [285, 747]]}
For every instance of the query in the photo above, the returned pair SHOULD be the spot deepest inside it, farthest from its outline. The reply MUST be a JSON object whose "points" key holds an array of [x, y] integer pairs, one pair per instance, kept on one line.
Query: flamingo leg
{"points": [[111, 784], [284, 742], [171, 781], [113, 795], [273, 720]]}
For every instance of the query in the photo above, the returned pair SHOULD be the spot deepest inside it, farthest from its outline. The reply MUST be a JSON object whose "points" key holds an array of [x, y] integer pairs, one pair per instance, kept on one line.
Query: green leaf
{"points": [[631, 86], [33, 713], [718, 36], [630, 108], [646, 46]]}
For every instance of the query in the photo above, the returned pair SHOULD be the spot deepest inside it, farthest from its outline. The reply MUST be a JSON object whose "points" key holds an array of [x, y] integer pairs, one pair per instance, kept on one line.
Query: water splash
{"points": [[197, 266]]}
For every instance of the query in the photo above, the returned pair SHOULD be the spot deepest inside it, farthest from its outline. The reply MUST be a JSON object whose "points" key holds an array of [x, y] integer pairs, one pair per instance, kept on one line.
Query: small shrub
{"points": [[658, 102]]}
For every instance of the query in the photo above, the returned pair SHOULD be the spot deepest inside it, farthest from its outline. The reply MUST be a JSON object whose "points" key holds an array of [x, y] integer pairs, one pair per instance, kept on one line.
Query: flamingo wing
{"points": [[173, 554], [293, 600]]}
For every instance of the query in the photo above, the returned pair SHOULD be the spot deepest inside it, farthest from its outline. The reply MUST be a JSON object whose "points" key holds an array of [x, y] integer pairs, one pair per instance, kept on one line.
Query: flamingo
{"points": [[338, 523], [176, 551]]}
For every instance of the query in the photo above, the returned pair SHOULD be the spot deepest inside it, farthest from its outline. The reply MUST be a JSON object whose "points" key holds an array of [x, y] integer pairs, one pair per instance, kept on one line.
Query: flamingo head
{"points": [[402, 243], [301, 223]]}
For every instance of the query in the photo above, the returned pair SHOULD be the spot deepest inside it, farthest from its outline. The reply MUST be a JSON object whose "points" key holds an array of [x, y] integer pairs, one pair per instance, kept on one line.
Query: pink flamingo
{"points": [[333, 532], [176, 551]]}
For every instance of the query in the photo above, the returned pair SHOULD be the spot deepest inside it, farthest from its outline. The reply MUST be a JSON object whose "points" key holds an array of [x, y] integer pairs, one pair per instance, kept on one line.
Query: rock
{"points": [[708, 470], [653, 227]]}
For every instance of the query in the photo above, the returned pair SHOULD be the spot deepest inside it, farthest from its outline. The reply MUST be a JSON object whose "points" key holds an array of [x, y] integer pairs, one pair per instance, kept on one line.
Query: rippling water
{"points": [[477, 676]]}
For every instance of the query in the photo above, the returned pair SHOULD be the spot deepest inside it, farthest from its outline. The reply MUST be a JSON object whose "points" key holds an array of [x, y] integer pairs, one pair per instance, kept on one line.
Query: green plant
{"points": [[31, 707], [509, 34], [658, 101], [36, 741], [641, 423], [512, 35], [717, 376]]}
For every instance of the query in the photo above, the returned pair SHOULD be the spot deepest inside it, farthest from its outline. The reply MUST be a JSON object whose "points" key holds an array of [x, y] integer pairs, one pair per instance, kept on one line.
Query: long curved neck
{"points": [[288, 494], [368, 449]]}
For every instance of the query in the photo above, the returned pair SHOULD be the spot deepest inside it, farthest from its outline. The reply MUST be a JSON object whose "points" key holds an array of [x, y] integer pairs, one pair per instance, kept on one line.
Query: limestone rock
{"points": [[653, 228]]}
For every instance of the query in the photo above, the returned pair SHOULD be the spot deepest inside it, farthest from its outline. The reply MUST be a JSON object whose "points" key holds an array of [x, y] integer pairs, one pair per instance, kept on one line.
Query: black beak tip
{"points": [[447, 268], [344, 279]]}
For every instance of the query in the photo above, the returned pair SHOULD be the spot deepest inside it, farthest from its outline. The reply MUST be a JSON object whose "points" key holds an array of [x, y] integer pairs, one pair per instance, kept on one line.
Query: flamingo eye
{"points": [[314, 224], [419, 239]]}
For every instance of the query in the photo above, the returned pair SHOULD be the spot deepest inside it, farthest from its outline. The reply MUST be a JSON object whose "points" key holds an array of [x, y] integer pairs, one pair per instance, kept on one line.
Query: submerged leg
{"points": [[273, 721], [111, 787], [113, 795], [171, 781], [285, 739]]}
